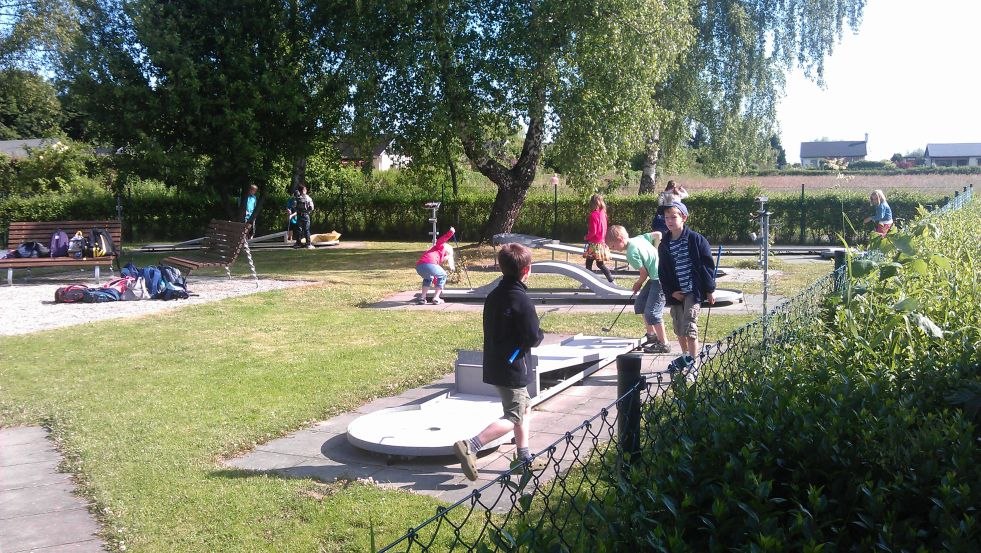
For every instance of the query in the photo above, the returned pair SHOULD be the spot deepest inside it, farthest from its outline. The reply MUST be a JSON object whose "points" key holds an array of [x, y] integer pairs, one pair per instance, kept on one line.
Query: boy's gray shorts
{"points": [[515, 402], [684, 318]]}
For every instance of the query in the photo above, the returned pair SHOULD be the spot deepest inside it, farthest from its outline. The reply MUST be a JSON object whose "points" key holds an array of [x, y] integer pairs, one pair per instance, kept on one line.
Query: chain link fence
{"points": [[597, 463]]}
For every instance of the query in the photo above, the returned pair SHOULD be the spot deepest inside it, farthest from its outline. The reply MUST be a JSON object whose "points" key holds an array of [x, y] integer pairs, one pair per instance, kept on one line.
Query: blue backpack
{"points": [[131, 270], [175, 286], [99, 295], [59, 244], [152, 281]]}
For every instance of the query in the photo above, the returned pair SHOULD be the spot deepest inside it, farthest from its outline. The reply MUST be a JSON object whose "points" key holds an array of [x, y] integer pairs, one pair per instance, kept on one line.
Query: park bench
{"points": [[41, 231], [220, 248]]}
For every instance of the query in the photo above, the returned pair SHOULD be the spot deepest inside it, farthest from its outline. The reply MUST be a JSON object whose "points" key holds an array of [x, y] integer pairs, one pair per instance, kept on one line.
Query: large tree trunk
{"points": [[512, 183], [299, 173], [504, 212], [649, 174]]}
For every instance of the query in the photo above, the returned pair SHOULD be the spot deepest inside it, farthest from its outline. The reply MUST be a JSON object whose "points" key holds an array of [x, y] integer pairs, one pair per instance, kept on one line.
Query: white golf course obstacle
{"points": [[430, 428], [591, 288]]}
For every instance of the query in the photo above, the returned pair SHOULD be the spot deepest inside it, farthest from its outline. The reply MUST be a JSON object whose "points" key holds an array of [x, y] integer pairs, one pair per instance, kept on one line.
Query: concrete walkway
{"points": [[322, 451], [38, 509]]}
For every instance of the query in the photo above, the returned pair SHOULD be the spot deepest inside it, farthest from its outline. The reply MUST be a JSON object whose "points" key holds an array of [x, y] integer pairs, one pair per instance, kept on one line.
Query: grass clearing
{"points": [[144, 408]]}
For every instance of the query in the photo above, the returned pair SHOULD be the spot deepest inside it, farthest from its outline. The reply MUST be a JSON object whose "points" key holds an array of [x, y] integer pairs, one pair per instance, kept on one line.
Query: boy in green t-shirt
{"points": [[641, 254]]}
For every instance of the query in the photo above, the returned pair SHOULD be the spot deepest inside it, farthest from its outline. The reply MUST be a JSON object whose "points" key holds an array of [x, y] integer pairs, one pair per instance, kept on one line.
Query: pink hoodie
{"points": [[437, 253], [596, 227]]}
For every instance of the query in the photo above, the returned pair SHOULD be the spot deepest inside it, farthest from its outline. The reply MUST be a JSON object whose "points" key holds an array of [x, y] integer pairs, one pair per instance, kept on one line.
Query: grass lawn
{"points": [[145, 408]]}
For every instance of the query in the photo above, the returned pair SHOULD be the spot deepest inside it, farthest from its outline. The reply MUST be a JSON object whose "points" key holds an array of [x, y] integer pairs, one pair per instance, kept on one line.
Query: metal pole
{"points": [[802, 206], [764, 216], [629, 384], [555, 208]]}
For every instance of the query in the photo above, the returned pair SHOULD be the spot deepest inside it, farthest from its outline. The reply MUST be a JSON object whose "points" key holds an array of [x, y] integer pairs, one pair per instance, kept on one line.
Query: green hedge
{"points": [[723, 217]]}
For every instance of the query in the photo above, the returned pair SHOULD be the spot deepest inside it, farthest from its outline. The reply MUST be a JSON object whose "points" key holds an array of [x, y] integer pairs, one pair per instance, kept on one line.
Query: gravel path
{"points": [[30, 307]]}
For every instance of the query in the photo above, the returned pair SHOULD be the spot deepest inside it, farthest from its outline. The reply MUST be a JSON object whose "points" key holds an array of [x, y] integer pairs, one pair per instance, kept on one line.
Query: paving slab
{"points": [[38, 509]]}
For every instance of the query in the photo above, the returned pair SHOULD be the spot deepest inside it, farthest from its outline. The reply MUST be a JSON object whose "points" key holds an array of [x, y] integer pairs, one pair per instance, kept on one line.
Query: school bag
{"points": [[124, 286], [175, 285], [32, 249], [101, 242], [100, 295], [59, 243], [77, 246], [304, 204], [153, 281], [70, 294], [131, 270], [26, 250]]}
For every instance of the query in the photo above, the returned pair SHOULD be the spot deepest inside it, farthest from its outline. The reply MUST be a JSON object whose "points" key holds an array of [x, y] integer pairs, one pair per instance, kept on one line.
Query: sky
{"points": [[911, 75]]}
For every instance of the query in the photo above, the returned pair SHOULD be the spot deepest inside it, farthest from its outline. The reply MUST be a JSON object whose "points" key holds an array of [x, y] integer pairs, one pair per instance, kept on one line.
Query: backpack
{"points": [[175, 285], [26, 250], [32, 249], [70, 294], [153, 281], [304, 204], [100, 295], [131, 270], [101, 242], [59, 244], [77, 246], [124, 286]]}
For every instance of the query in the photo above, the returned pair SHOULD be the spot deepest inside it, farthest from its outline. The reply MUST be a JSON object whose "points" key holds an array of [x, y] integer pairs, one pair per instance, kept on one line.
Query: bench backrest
{"points": [[224, 240], [41, 231]]}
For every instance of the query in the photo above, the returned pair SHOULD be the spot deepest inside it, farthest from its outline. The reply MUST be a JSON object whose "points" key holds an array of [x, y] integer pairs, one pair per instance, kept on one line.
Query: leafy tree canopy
{"points": [[34, 32], [28, 106]]}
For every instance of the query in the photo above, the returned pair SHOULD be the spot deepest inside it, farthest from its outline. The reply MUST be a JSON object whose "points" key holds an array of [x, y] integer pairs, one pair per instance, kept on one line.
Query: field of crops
{"points": [[941, 184]]}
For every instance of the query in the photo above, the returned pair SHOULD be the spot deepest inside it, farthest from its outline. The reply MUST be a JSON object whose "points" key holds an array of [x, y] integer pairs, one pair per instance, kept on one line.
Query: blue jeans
{"points": [[650, 302], [431, 272]]}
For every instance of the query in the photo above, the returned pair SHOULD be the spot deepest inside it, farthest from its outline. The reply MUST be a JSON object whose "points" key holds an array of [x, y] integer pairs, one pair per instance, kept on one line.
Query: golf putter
{"points": [[614, 323]]}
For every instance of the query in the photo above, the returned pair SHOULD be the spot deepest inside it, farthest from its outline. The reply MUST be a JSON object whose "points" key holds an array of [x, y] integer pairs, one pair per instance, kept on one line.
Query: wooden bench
{"points": [[20, 232], [220, 248]]}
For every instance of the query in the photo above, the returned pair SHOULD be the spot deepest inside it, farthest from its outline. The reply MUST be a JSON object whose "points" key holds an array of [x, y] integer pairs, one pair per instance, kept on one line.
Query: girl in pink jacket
{"points": [[596, 248], [429, 267]]}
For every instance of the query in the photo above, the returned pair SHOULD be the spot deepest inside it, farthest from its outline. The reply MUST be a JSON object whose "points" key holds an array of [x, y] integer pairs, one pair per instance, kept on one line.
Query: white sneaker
{"points": [[437, 301], [311, 247]]}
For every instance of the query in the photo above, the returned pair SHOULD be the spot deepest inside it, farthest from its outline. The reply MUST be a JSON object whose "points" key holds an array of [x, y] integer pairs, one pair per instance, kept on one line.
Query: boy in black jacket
{"points": [[510, 331], [687, 273]]}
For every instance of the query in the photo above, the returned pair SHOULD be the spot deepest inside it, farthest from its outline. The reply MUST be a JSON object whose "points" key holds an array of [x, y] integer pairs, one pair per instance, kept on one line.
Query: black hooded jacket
{"points": [[510, 323]]}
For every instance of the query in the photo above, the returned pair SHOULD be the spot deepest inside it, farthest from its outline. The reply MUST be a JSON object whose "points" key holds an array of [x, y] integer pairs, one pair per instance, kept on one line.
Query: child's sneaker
{"points": [[537, 464], [657, 347], [436, 301], [468, 461], [421, 301]]}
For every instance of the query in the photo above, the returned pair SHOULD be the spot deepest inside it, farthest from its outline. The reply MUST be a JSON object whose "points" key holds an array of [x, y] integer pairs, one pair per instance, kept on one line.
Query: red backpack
{"points": [[70, 294], [123, 285]]}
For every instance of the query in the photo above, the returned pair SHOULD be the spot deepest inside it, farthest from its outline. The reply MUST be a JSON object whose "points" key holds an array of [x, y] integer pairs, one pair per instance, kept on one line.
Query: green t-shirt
{"points": [[642, 253]]}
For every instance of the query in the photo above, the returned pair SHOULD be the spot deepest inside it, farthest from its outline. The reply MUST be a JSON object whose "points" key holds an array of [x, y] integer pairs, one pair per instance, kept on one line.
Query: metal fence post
{"points": [[803, 210], [629, 384]]}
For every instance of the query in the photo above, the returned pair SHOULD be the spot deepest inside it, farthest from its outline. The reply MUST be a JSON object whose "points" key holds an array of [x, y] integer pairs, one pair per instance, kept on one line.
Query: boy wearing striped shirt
{"points": [[687, 274]]}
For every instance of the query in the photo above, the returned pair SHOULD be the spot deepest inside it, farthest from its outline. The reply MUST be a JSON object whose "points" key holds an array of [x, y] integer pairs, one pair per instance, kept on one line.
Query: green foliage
{"points": [[63, 167], [857, 434], [28, 106], [34, 32]]}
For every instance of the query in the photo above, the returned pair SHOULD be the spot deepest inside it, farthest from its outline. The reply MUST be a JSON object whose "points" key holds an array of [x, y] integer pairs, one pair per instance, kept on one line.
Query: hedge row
{"points": [[723, 217]]}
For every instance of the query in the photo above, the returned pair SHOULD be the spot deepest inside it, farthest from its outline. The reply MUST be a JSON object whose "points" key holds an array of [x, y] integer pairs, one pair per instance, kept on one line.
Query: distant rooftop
{"points": [[962, 149], [843, 148], [18, 149]]}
